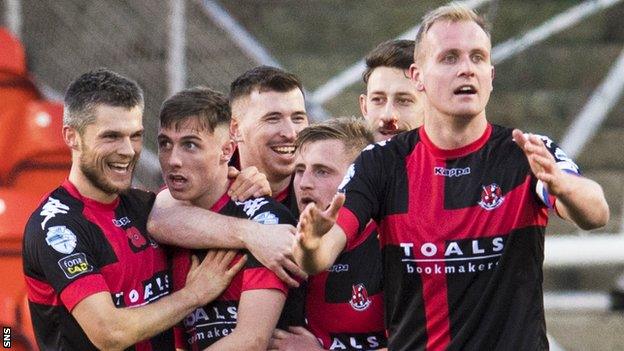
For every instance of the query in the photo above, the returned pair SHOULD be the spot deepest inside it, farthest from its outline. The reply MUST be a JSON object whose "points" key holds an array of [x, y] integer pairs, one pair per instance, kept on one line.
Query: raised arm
{"points": [[111, 328], [579, 199], [319, 239], [178, 223]]}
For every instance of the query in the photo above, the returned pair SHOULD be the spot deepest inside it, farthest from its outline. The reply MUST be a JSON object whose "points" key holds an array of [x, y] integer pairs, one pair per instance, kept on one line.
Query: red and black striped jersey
{"points": [[208, 324], [344, 306], [75, 247], [462, 237]]}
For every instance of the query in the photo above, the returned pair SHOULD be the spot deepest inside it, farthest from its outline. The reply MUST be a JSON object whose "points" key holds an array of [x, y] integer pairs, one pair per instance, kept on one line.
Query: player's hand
{"points": [[314, 223], [274, 249], [248, 183], [206, 281], [542, 162], [295, 339]]}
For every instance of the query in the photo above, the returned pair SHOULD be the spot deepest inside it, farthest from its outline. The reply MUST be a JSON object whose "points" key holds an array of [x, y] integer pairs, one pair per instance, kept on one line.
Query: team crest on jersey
{"points": [[359, 298], [61, 239], [491, 197]]}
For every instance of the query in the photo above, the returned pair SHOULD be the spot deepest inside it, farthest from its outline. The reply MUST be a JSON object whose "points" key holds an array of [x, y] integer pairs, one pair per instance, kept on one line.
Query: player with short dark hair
{"points": [[268, 111], [461, 206], [194, 148], [391, 103], [95, 278]]}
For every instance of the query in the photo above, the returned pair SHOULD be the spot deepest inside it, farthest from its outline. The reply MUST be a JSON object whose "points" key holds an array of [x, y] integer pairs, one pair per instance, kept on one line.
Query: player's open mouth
{"points": [[465, 90], [306, 200], [175, 179], [120, 168], [284, 150]]}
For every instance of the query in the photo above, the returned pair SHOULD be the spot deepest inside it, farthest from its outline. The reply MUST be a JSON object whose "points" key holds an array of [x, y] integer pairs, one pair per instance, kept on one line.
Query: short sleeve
{"points": [[362, 186], [66, 254], [564, 163]]}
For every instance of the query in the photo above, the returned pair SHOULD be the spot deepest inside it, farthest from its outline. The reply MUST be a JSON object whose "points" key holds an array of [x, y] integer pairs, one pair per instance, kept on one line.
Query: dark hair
{"points": [[100, 86], [263, 78], [210, 107], [351, 131], [395, 53]]}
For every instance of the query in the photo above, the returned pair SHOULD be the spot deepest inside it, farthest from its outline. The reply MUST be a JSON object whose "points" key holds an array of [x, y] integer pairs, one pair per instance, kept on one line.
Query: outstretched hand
{"points": [[541, 161], [208, 279], [314, 223]]}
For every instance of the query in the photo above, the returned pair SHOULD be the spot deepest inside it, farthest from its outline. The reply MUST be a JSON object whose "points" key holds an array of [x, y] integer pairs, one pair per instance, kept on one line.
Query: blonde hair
{"points": [[453, 12]]}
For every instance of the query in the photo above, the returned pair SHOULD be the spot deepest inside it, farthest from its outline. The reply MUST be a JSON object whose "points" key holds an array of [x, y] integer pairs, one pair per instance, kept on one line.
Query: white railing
{"points": [[13, 16], [251, 47], [602, 101], [176, 53]]}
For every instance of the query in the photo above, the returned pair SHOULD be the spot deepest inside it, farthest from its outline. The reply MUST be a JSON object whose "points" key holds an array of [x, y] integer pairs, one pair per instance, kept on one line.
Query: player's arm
{"points": [[178, 223], [295, 339], [319, 239], [111, 328], [258, 313], [579, 199]]}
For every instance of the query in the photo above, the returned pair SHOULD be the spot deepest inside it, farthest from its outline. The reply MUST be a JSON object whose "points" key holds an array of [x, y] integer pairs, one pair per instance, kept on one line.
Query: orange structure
{"points": [[33, 160]]}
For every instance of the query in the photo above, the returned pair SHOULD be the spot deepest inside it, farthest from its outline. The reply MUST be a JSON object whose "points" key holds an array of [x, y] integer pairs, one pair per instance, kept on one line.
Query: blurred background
{"points": [[559, 72]]}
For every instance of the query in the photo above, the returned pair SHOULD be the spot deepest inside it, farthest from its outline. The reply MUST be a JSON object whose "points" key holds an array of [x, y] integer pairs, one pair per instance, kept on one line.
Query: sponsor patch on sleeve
{"points": [[61, 239], [266, 218], [75, 265]]}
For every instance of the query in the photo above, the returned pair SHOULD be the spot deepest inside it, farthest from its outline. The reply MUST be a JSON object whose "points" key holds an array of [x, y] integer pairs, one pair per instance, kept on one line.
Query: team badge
{"points": [[491, 197], [359, 298], [266, 218], [61, 239]]}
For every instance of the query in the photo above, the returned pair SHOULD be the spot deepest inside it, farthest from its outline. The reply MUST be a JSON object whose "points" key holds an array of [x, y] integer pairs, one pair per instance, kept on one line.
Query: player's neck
{"points": [[278, 184], [453, 132], [86, 188], [216, 190]]}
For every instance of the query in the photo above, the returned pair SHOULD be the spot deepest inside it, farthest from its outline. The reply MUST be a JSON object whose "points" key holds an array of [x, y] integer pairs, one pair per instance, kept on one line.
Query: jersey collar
{"points": [[455, 153]]}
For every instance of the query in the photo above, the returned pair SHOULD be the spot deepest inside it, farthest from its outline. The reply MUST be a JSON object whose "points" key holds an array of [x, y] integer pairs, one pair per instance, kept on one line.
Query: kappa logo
{"points": [[491, 197], [359, 298], [251, 206], [61, 239], [451, 172], [51, 209], [121, 221]]}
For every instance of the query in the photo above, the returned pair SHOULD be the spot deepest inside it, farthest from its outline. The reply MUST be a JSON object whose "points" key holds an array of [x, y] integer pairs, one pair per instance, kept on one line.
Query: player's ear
{"points": [[363, 107], [416, 77], [235, 132], [227, 149], [71, 137]]}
